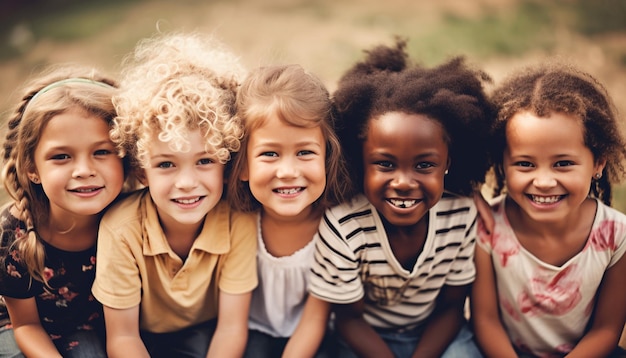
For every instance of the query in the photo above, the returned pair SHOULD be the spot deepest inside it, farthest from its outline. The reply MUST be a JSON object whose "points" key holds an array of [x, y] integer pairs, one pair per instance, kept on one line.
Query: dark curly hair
{"points": [[558, 87], [452, 94]]}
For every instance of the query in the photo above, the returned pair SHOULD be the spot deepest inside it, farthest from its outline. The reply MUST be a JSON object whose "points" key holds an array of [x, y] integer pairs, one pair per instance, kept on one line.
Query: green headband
{"points": [[60, 83]]}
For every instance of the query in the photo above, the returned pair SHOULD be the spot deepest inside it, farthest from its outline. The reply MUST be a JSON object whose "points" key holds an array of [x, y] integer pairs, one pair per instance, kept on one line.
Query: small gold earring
{"points": [[35, 180], [446, 172], [598, 176]]}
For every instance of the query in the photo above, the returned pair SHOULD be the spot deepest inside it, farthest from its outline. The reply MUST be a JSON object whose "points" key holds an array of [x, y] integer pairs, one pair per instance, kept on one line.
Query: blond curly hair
{"points": [[175, 83]]}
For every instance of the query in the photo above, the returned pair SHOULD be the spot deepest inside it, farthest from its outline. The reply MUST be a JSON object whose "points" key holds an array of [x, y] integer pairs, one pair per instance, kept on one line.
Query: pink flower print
{"points": [[67, 293], [15, 255], [563, 349], [556, 297], [92, 259], [504, 246], [72, 344], [19, 233], [48, 273], [93, 316], [603, 237], [85, 327], [47, 295], [13, 272]]}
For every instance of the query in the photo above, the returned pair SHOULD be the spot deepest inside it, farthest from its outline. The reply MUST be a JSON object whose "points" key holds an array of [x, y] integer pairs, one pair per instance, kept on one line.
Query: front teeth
{"points": [[85, 190], [288, 191], [402, 203], [546, 199], [187, 201]]}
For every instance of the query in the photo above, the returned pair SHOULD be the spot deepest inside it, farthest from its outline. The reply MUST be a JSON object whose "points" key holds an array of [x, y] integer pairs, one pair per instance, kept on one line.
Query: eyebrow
{"points": [[176, 154], [66, 147], [272, 143]]}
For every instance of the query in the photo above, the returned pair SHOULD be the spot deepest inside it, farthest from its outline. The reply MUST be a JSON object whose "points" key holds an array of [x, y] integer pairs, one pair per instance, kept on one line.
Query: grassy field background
{"points": [[325, 36]]}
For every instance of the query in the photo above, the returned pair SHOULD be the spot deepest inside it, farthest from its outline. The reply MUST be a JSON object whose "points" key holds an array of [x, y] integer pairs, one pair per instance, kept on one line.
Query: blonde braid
{"points": [[31, 250]]}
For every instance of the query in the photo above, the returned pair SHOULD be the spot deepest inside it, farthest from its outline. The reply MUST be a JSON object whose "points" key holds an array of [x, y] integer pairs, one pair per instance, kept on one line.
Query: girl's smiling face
{"points": [[405, 157], [286, 167], [77, 164], [547, 166]]}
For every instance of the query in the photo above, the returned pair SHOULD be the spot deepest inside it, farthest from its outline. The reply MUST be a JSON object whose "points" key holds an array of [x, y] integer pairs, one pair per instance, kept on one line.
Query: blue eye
{"points": [[165, 165], [205, 161], [102, 152], [60, 157], [269, 154], [305, 152]]}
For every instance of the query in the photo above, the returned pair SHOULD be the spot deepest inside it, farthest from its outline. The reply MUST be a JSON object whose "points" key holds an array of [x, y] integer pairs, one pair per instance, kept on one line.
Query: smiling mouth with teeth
{"points": [[288, 191], [545, 199], [402, 203], [85, 190], [187, 201]]}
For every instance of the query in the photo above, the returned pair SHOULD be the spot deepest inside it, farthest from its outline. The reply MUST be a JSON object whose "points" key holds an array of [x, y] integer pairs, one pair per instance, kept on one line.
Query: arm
{"points": [[357, 333], [309, 333], [29, 334], [608, 317], [231, 333], [122, 328], [444, 322], [490, 334]]}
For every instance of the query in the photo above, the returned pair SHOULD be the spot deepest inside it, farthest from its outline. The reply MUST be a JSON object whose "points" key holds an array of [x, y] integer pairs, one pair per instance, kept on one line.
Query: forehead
{"points": [[189, 141], [274, 127], [550, 136], [397, 127], [528, 127]]}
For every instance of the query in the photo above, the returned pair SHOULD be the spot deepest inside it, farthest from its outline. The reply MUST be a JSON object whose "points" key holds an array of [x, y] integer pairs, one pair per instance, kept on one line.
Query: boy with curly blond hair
{"points": [[174, 271]]}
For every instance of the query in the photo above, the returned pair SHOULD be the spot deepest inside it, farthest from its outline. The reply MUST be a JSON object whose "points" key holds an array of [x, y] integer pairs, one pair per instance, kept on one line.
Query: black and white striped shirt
{"points": [[353, 259]]}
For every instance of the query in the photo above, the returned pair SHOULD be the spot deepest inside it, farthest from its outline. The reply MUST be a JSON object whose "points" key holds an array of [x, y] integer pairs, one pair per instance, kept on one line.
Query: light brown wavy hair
{"points": [[299, 99], [24, 126]]}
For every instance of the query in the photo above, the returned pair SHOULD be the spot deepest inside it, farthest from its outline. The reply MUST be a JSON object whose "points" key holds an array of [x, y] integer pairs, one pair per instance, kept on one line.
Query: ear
{"points": [[34, 177], [599, 167], [244, 176]]}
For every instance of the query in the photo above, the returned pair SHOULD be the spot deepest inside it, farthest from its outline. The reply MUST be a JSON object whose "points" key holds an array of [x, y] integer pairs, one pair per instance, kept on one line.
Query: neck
{"points": [[70, 233], [283, 236], [305, 217]]}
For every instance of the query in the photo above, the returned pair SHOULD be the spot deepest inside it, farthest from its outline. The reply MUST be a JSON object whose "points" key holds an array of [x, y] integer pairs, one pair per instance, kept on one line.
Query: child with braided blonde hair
{"points": [[61, 170]]}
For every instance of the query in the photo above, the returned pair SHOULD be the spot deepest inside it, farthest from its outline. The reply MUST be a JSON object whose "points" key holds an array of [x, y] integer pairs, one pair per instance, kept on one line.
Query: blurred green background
{"points": [[325, 36]]}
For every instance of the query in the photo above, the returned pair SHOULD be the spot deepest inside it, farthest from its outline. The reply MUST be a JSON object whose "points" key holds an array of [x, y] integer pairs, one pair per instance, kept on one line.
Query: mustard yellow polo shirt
{"points": [[136, 266]]}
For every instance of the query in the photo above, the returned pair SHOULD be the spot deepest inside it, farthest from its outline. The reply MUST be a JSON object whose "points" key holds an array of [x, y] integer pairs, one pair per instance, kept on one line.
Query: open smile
{"points": [[403, 204], [288, 191], [188, 201], [545, 200]]}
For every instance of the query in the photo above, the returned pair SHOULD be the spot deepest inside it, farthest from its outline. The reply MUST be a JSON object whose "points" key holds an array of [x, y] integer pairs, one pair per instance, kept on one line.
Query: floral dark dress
{"points": [[67, 306]]}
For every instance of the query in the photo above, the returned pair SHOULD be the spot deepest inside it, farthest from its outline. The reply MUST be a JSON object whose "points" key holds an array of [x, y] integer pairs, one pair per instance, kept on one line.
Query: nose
{"points": [[403, 180], [85, 167], [287, 168], [186, 179], [544, 180]]}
